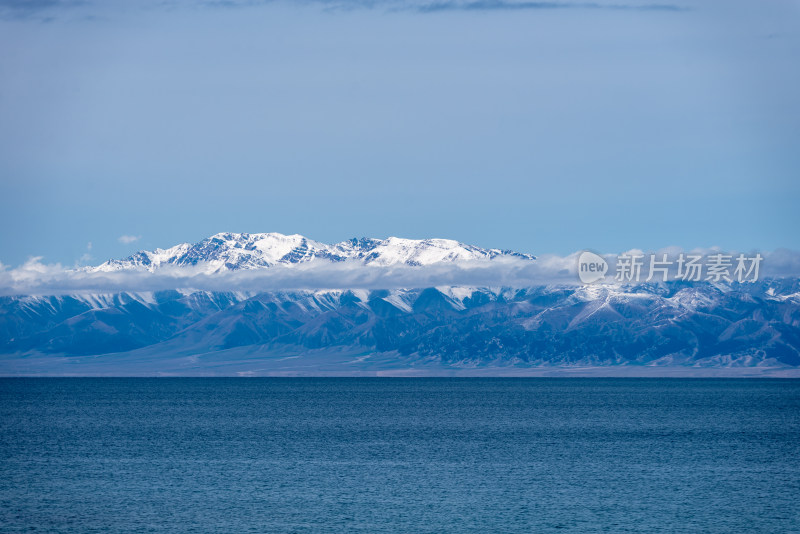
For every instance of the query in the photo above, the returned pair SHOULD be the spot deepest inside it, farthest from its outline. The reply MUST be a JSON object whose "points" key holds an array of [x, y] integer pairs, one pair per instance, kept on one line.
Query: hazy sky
{"points": [[545, 127]]}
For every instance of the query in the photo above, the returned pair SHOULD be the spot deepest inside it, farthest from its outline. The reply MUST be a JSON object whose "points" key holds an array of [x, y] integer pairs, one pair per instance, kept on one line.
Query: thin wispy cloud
{"points": [[40, 8], [128, 239], [502, 5], [35, 9], [29, 5], [86, 257], [423, 6]]}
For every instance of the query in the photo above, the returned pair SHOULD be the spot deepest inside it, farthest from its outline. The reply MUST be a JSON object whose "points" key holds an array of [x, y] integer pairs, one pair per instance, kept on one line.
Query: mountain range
{"points": [[233, 251], [430, 330]]}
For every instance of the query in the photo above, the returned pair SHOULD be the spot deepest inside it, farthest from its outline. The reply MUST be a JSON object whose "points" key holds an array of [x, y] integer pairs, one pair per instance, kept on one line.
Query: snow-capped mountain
{"points": [[233, 251], [419, 329]]}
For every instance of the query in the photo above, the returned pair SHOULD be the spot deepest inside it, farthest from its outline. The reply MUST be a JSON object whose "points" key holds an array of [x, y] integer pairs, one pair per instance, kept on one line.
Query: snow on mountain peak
{"points": [[232, 251]]}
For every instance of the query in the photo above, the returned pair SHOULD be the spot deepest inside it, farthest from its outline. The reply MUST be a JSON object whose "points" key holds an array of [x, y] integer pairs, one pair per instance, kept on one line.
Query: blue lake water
{"points": [[399, 455]]}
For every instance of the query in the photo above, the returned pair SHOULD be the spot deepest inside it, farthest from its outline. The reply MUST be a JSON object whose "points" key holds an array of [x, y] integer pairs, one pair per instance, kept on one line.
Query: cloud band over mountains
{"points": [[37, 278]]}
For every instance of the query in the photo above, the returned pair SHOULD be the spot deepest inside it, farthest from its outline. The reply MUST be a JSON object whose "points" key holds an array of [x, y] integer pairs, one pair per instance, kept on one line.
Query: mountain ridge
{"points": [[228, 251], [665, 324]]}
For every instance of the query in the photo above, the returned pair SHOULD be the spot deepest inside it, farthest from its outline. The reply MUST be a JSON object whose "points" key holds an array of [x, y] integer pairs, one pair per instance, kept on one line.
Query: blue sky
{"points": [[545, 127]]}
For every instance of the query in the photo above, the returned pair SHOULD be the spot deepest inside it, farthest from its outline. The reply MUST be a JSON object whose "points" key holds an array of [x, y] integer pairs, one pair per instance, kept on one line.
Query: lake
{"points": [[399, 455]]}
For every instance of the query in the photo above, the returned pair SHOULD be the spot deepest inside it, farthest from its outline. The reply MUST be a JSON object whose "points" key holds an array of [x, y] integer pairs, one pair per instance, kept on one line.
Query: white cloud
{"points": [[127, 239], [37, 278]]}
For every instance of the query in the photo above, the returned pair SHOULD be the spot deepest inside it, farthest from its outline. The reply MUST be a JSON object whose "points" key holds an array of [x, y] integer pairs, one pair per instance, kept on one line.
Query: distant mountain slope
{"points": [[661, 324], [232, 251]]}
